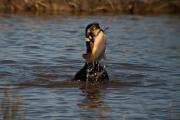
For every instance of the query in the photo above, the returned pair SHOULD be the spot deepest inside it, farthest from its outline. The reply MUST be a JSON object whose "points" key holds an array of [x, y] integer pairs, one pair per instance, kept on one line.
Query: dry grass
{"points": [[91, 6]]}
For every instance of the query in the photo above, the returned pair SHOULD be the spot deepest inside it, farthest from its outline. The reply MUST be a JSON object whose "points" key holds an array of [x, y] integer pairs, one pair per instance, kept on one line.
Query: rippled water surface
{"points": [[40, 55]]}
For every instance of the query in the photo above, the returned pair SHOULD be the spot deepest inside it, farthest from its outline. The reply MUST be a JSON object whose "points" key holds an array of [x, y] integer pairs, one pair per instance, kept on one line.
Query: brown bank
{"points": [[91, 6]]}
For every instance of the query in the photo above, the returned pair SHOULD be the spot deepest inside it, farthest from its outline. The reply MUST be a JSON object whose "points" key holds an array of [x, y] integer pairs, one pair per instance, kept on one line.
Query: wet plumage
{"points": [[95, 50]]}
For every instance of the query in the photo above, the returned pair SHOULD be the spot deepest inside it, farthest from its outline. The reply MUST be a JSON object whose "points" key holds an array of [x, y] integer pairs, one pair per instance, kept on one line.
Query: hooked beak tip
{"points": [[106, 28]]}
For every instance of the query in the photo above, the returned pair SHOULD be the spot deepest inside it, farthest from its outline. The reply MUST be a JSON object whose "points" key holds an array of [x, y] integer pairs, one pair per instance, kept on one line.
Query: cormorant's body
{"points": [[95, 51]]}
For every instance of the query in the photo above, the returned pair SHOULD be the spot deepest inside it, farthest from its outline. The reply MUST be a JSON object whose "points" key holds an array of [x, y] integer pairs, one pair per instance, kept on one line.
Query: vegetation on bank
{"points": [[92, 6]]}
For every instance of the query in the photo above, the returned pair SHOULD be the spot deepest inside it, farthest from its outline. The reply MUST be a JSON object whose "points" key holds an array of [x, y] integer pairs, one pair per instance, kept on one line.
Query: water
{"points": [[40, 54]]}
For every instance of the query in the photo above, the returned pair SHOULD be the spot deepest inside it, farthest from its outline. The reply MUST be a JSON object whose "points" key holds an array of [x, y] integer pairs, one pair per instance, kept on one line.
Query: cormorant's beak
{"points": [[106, 28], [103, 30]]}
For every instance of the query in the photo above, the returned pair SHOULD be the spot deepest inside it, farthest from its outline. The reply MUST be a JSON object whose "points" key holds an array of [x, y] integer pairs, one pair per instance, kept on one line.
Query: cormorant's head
{"points": [[92, 30]]}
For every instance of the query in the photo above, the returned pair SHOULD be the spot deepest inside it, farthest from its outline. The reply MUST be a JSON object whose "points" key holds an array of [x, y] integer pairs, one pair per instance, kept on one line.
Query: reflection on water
{"points": [[40, 55], [93, 102], [11, 106]]}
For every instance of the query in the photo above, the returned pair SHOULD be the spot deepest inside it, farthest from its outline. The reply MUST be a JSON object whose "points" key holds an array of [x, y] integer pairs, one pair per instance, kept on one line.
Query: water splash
{"points": [[94, 71]]}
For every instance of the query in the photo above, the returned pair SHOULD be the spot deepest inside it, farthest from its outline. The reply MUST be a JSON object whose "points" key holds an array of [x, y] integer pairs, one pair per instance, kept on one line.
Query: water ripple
{"points": [[39, 55]]}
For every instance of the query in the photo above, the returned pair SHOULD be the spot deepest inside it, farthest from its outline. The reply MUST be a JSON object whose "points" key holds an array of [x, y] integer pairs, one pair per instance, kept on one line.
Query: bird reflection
{"points": [[10, 105], [93, 102]]}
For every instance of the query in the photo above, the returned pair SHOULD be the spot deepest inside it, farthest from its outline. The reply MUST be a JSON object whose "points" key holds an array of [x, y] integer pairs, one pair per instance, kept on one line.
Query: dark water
{"points": [[39, 55]]}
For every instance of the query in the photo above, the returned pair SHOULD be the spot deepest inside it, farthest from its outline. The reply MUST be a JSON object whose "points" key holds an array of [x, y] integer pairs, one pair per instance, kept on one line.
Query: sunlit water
{"points": [[40, 55]]}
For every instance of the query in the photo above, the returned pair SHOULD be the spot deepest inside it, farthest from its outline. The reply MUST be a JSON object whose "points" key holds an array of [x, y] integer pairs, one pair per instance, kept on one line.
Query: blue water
{"points": [[40, 54]]}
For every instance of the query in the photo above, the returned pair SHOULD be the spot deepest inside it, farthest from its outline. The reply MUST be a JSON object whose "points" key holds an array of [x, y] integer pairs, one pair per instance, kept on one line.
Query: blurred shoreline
{"points": [[142, 7]]}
